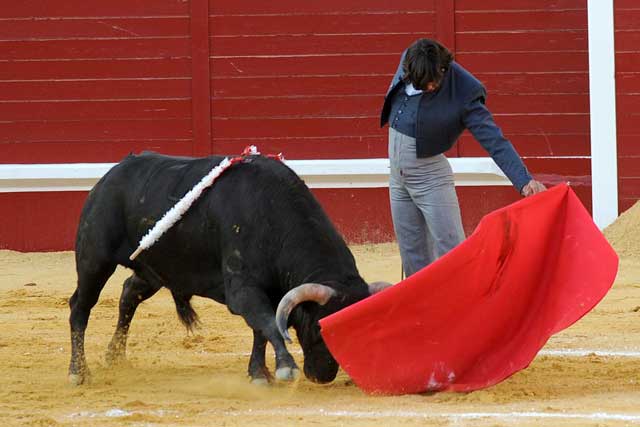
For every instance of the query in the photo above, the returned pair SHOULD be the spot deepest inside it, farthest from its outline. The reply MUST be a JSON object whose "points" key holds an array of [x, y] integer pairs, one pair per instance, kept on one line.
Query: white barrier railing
{"points": [[341, 173]]}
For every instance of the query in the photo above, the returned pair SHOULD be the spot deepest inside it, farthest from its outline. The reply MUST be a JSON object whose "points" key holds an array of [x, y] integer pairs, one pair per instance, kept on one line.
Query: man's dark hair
{"points": [[426, 61]]}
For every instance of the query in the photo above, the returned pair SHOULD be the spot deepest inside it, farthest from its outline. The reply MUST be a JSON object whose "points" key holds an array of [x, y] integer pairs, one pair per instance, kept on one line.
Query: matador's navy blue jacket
{"points": [[442, 116]]}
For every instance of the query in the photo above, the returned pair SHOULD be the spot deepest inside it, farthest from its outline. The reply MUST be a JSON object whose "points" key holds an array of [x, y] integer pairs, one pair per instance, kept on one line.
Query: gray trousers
{"points": [[424, 204]]}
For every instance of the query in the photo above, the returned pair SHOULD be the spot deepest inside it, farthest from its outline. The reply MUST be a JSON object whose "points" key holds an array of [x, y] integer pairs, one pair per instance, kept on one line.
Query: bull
{"points": [[258, 241]]}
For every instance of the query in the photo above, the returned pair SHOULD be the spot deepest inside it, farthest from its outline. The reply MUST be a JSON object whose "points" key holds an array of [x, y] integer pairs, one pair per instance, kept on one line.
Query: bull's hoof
{"points": [[78, 379], [287, 374], [79, 376], [116, 352], [260, 375], [115, 359], [260, 382]]}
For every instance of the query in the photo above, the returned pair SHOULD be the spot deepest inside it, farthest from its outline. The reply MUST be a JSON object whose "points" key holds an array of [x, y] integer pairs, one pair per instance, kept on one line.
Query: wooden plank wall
{"points": [[627, 42], [532, 56], [308, 78], [92, 81]]}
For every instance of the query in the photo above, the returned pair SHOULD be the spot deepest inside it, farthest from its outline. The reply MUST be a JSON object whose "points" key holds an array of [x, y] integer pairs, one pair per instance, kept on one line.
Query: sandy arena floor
{"points": [[587, 375]]}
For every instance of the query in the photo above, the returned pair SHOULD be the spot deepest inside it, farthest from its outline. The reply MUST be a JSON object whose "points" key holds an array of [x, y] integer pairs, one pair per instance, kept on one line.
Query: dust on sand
{"points": [[177, 379]]}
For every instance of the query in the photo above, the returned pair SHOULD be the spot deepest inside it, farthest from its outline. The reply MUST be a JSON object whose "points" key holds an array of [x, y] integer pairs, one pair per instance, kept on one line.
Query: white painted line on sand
{"points": [[450, 416], [119, 413], [588, 352], [550, 353], [599, 416]]}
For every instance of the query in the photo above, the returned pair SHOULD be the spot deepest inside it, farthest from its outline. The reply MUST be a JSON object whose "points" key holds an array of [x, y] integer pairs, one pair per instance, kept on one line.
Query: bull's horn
{"points": [[306, 292], [376, 287]]}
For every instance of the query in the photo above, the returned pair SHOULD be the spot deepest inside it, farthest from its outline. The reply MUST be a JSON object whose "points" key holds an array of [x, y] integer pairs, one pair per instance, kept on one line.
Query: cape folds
{"points": [[483, 311]]}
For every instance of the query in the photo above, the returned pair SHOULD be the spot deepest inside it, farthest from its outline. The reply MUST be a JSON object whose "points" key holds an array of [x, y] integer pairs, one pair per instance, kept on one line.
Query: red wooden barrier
{"points": [[93, 82]]}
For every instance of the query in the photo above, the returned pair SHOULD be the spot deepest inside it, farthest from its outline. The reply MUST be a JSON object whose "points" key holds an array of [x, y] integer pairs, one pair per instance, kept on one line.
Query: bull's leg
{"points": [[134, 291], [91, 280], [254, 306], [257, 366]]}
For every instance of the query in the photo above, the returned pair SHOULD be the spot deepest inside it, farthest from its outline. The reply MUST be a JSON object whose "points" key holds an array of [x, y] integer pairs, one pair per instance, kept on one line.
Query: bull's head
{"points": [[319, 364]]}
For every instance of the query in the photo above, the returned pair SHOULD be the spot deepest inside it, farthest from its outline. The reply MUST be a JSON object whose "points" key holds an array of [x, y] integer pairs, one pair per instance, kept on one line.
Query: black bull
{"points": [[256, 241]]}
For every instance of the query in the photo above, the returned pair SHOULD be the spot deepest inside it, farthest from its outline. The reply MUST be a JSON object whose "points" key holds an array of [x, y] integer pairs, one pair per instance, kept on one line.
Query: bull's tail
{"points": [[187, 315]]}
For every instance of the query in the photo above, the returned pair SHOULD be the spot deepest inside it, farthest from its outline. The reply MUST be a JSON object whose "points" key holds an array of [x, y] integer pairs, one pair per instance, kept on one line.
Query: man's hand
{"points": [[533, 187]]}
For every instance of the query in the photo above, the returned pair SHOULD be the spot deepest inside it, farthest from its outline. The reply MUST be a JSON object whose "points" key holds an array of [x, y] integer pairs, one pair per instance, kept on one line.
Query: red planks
{"points": [[627, 19], [308, 65], [85, 69], [299, 86], [534, 144], [93, 129], [298, 106], [35, 9], [544, 42], [299, 73], [523, 20], [529, 5], [627, 37], [626, 61], [300, 24], [53, 217], [332, 7], [84, 150], [623, 5], [629, 187], [366, 125], [628, 123], [524, 62], [532, 57], [475, 202], [67, 28], [317, 45], [535, 83], [331, 147], [77, 79], [539, 103], [361, 215], [629, 177], [95, 48], [628, 165], [93, 81], [628, 145], [550, 136], [543, 102], [201, 83], [555, 170], [294, 127], [445, 23], [548, 123], [151, 109], [39, 221], [627, 41], [94, 90]]}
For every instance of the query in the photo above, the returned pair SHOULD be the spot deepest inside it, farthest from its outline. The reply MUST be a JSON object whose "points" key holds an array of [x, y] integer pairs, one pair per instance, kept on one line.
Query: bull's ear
{"points": [[376, 287]]}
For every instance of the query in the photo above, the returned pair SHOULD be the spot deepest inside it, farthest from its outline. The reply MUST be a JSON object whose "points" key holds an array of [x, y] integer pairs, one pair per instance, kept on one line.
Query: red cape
{"points": [[483, 311]]}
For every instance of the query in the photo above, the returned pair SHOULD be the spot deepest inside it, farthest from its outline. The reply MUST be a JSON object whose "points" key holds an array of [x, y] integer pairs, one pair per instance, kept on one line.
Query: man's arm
{"points": [[479, 120]]}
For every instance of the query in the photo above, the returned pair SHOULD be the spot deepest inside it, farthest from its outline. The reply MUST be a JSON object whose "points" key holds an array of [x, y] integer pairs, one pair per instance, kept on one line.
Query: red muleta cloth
{"points": [[482, 312]]}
